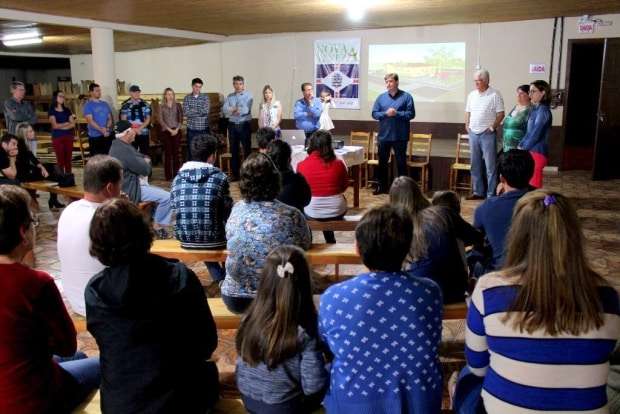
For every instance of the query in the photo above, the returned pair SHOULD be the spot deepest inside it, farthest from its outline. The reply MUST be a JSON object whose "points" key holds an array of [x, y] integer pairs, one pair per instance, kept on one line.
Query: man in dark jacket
{"points": [[201, 199], [151, 321]]}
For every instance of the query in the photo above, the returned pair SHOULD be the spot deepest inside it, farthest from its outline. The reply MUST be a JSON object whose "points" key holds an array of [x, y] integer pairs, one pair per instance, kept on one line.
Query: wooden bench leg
{"points": [[337, 272]]}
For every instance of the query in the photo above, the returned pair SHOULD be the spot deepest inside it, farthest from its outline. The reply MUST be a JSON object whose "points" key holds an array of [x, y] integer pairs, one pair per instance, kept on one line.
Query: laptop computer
{"points": [[293, 136]]}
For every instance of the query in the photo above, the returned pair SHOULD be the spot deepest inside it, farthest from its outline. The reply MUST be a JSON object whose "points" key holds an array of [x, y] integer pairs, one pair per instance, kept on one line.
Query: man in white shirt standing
{"points": [[103, 178], [483, 114]]}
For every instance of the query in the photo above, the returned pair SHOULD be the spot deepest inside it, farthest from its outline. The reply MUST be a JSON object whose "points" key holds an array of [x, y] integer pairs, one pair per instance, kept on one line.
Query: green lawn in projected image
{"points": [[431, 72]]}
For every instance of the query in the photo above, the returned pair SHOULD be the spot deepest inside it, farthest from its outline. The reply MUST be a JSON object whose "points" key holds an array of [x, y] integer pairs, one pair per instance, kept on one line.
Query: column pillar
{"points": [[104, 72]]}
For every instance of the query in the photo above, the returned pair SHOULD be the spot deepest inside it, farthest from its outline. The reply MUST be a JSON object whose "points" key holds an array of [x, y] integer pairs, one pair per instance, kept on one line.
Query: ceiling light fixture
{"points": [[28, 34], [22, 42], [356, 9]]}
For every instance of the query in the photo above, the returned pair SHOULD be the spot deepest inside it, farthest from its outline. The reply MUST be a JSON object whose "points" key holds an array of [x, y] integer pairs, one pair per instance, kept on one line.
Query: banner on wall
{"points": [[337, 70]]}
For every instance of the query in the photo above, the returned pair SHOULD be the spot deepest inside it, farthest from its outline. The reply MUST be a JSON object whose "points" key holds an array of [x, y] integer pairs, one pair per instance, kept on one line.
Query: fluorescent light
{"points": [[356, 13], [22, 42], [21, 35]]}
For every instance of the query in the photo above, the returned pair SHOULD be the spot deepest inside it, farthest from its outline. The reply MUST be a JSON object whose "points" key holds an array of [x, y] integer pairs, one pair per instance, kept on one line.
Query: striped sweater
{"points": [[537, 373]]}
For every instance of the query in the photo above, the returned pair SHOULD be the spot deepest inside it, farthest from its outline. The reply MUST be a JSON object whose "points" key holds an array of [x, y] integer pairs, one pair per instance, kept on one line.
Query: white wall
{"points": [[286, 60]]}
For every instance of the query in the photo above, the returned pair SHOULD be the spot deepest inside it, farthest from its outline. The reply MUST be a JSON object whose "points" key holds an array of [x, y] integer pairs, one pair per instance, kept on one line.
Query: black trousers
{"points": [[239, 135], [400, 153], [142, 144], [99, 145]]}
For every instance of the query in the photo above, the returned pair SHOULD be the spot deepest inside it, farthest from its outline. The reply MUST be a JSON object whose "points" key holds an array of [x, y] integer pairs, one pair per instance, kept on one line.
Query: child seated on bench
{"points": [[281, 367], [383, 326]]}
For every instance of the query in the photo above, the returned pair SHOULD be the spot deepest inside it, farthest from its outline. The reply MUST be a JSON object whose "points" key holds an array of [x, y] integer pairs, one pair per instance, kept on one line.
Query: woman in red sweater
{"points": [[35, 328], [328, 180]]}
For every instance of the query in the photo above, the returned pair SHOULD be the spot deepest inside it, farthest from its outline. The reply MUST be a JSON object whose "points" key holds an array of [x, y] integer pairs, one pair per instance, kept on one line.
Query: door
{"points": [[607, 141]]}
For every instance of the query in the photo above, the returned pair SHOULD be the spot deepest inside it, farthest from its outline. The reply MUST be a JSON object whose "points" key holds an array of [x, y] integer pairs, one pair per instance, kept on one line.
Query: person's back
{"points": [[201, 198], [102, 180], [281, 370], [295, 189], [77, 266], [383, 327], [151, 321], [541, 330], [494, 216]]}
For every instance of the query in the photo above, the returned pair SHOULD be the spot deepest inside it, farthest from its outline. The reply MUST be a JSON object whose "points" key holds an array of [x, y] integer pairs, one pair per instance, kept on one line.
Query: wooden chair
{"points": [[462, 162], [225, 156], [373, 157], [419, 156], [362, 139]]}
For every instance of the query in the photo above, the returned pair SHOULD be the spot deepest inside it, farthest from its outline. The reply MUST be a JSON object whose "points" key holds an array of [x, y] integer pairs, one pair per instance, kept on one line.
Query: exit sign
{"points": [[586, 26], [537, 68]]}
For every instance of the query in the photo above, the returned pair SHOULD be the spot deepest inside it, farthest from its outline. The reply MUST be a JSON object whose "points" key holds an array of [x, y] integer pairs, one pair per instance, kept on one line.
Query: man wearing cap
{"points": [[136, 169], [138, 113], [196, 109]]}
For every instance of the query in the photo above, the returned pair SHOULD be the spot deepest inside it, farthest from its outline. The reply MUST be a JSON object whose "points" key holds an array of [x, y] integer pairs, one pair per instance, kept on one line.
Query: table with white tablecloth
{"points": [[353, 157]]}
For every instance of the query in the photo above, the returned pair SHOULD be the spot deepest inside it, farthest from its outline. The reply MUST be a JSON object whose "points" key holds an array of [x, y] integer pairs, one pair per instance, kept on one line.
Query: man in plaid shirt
{"points": [[196, 109]]}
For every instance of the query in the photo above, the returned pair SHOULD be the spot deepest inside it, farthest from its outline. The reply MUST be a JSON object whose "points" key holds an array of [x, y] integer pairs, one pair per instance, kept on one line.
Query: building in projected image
{"points": [[431, 72]]}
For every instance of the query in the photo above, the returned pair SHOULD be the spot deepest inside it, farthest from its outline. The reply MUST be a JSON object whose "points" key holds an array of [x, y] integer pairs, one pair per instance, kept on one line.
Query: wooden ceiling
{"points": [[74, 40], [277, 16]]}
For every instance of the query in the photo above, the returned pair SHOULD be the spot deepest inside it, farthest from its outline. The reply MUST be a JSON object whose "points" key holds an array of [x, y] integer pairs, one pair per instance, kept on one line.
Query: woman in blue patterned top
{"points": [[257, 224], [281, 366], [541, 331], [383, 327]]}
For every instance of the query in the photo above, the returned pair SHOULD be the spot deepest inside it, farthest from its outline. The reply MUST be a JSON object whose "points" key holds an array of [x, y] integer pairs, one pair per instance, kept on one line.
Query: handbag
{"points": [[62, 178]]}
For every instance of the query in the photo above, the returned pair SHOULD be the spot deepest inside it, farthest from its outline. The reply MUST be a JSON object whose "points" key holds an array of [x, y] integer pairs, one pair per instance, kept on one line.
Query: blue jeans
{"points": [[216, 270], [191, 133], [163, 212], [87, 376], [483, 147], [240, 133]]}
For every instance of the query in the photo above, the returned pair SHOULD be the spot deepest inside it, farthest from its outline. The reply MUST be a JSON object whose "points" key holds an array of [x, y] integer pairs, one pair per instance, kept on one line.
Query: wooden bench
{"points": [[349, 223], [74, 193], [225, 319], [319, 254]]}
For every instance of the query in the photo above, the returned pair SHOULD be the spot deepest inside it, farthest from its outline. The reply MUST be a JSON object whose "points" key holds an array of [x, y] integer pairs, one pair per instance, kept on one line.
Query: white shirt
{"points": [[77, 266], [483, 108]]}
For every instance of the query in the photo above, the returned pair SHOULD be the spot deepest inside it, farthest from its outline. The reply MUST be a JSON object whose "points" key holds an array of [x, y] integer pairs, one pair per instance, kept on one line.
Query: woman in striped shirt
{"points": [[541, 330]]}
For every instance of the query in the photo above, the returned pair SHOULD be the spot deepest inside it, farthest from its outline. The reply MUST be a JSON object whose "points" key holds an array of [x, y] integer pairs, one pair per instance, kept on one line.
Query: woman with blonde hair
{"points": [[170, 119], [270, 113], [541, 330]]}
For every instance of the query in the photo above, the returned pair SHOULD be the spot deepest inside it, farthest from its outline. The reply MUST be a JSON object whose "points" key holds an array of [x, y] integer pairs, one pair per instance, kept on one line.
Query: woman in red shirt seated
{"points": [[35, 328], [328, 180]]}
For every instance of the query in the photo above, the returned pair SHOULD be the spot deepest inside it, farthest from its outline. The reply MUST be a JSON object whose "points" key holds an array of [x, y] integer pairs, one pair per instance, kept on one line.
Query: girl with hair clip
{"points": [[541, 330], [281, 367]]}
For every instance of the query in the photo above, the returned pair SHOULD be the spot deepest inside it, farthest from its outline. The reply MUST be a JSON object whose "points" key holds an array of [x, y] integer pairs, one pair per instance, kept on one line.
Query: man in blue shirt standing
{"points": [[307, 111], [494, 216], [196, 107], [98, 114], [238, 109], [394, 110]]}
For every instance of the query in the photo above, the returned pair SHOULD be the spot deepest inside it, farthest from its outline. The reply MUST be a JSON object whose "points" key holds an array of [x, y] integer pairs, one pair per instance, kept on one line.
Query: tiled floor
{"points": [[598, 205]]}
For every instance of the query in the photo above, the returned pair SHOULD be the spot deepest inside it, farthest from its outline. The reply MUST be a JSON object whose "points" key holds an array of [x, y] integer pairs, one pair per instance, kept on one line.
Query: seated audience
{"points": [[201, 199], [29, 168], [26, 132], [295, 189], [35, 330], [435, 252], [136, 169], [493, 216], [328, 180], [257, 224], [541, 331], [151, 321], [103, 176], [8, 160], [281, 367], [383, 326], [263, 137]]}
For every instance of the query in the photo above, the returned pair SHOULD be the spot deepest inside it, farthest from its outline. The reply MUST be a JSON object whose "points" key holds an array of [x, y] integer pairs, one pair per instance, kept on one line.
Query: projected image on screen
{"points": [[431, 72]]}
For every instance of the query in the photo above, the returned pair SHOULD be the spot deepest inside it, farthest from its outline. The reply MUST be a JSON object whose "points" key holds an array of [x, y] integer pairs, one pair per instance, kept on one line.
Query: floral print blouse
{"points": [[253, 230]]}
